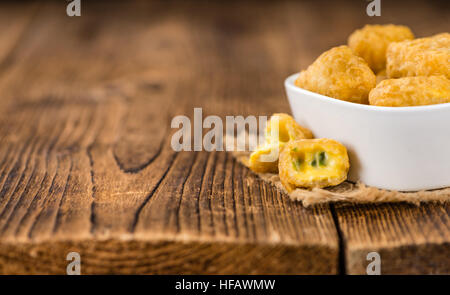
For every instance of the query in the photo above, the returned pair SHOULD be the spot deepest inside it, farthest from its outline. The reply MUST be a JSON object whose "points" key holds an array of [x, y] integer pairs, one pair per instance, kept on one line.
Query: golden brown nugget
{"points": [[310, 163], [288, 129], [339, 73], [265, 158], [371, 42], [420, 57], [269, 164], [411, 91]]}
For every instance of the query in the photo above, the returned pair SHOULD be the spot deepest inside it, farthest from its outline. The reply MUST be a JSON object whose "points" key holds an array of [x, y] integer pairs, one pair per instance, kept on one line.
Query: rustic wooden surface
{"points": [[85, 157]]}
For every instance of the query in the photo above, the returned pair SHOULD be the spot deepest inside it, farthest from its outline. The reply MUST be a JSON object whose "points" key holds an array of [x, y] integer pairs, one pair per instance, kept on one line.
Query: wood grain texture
{"points": [[409, 239], [85, 157], [87, 164]]}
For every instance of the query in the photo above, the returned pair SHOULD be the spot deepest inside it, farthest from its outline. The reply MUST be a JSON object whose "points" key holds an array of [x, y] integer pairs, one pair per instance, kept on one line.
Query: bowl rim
{"points": [[289, 84]]}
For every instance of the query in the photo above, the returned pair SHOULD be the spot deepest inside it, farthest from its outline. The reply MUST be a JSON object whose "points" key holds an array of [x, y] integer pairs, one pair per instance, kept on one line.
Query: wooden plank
{"points": [[410, 239], [86, 159]]}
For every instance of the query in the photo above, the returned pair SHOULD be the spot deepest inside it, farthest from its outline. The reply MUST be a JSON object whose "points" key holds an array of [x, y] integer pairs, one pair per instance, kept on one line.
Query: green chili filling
{"points": [[322, 158], [319, 159], [297, 163]]}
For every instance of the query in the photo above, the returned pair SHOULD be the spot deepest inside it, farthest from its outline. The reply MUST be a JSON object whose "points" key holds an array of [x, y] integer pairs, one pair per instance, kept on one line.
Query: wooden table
{"points": [[85, 157]]}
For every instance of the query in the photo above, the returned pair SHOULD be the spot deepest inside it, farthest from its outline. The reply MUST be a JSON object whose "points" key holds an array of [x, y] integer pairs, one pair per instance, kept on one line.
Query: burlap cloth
{"points": [[349, 192]]}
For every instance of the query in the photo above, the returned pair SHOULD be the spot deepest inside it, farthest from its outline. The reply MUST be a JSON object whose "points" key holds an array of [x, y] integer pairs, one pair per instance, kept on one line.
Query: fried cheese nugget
{"points": [[288, 129], [339, 73], [411, 91], [371, 42], [420, 57], [310, 163], [265, 158]]}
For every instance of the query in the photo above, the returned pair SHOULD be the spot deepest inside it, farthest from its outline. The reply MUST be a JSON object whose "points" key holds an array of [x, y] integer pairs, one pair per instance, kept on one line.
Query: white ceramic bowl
{"points": [[395, 148]]}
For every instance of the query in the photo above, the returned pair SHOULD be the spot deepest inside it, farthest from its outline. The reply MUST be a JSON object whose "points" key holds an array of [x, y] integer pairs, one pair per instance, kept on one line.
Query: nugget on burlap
{"points": [[349, 192]]}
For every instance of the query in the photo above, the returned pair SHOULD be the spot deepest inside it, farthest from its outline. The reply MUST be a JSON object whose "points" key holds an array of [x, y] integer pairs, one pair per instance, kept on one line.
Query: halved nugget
{"points": [[310, 163], [339, 73], [288, 129], [265, 158], [280, 129]]}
